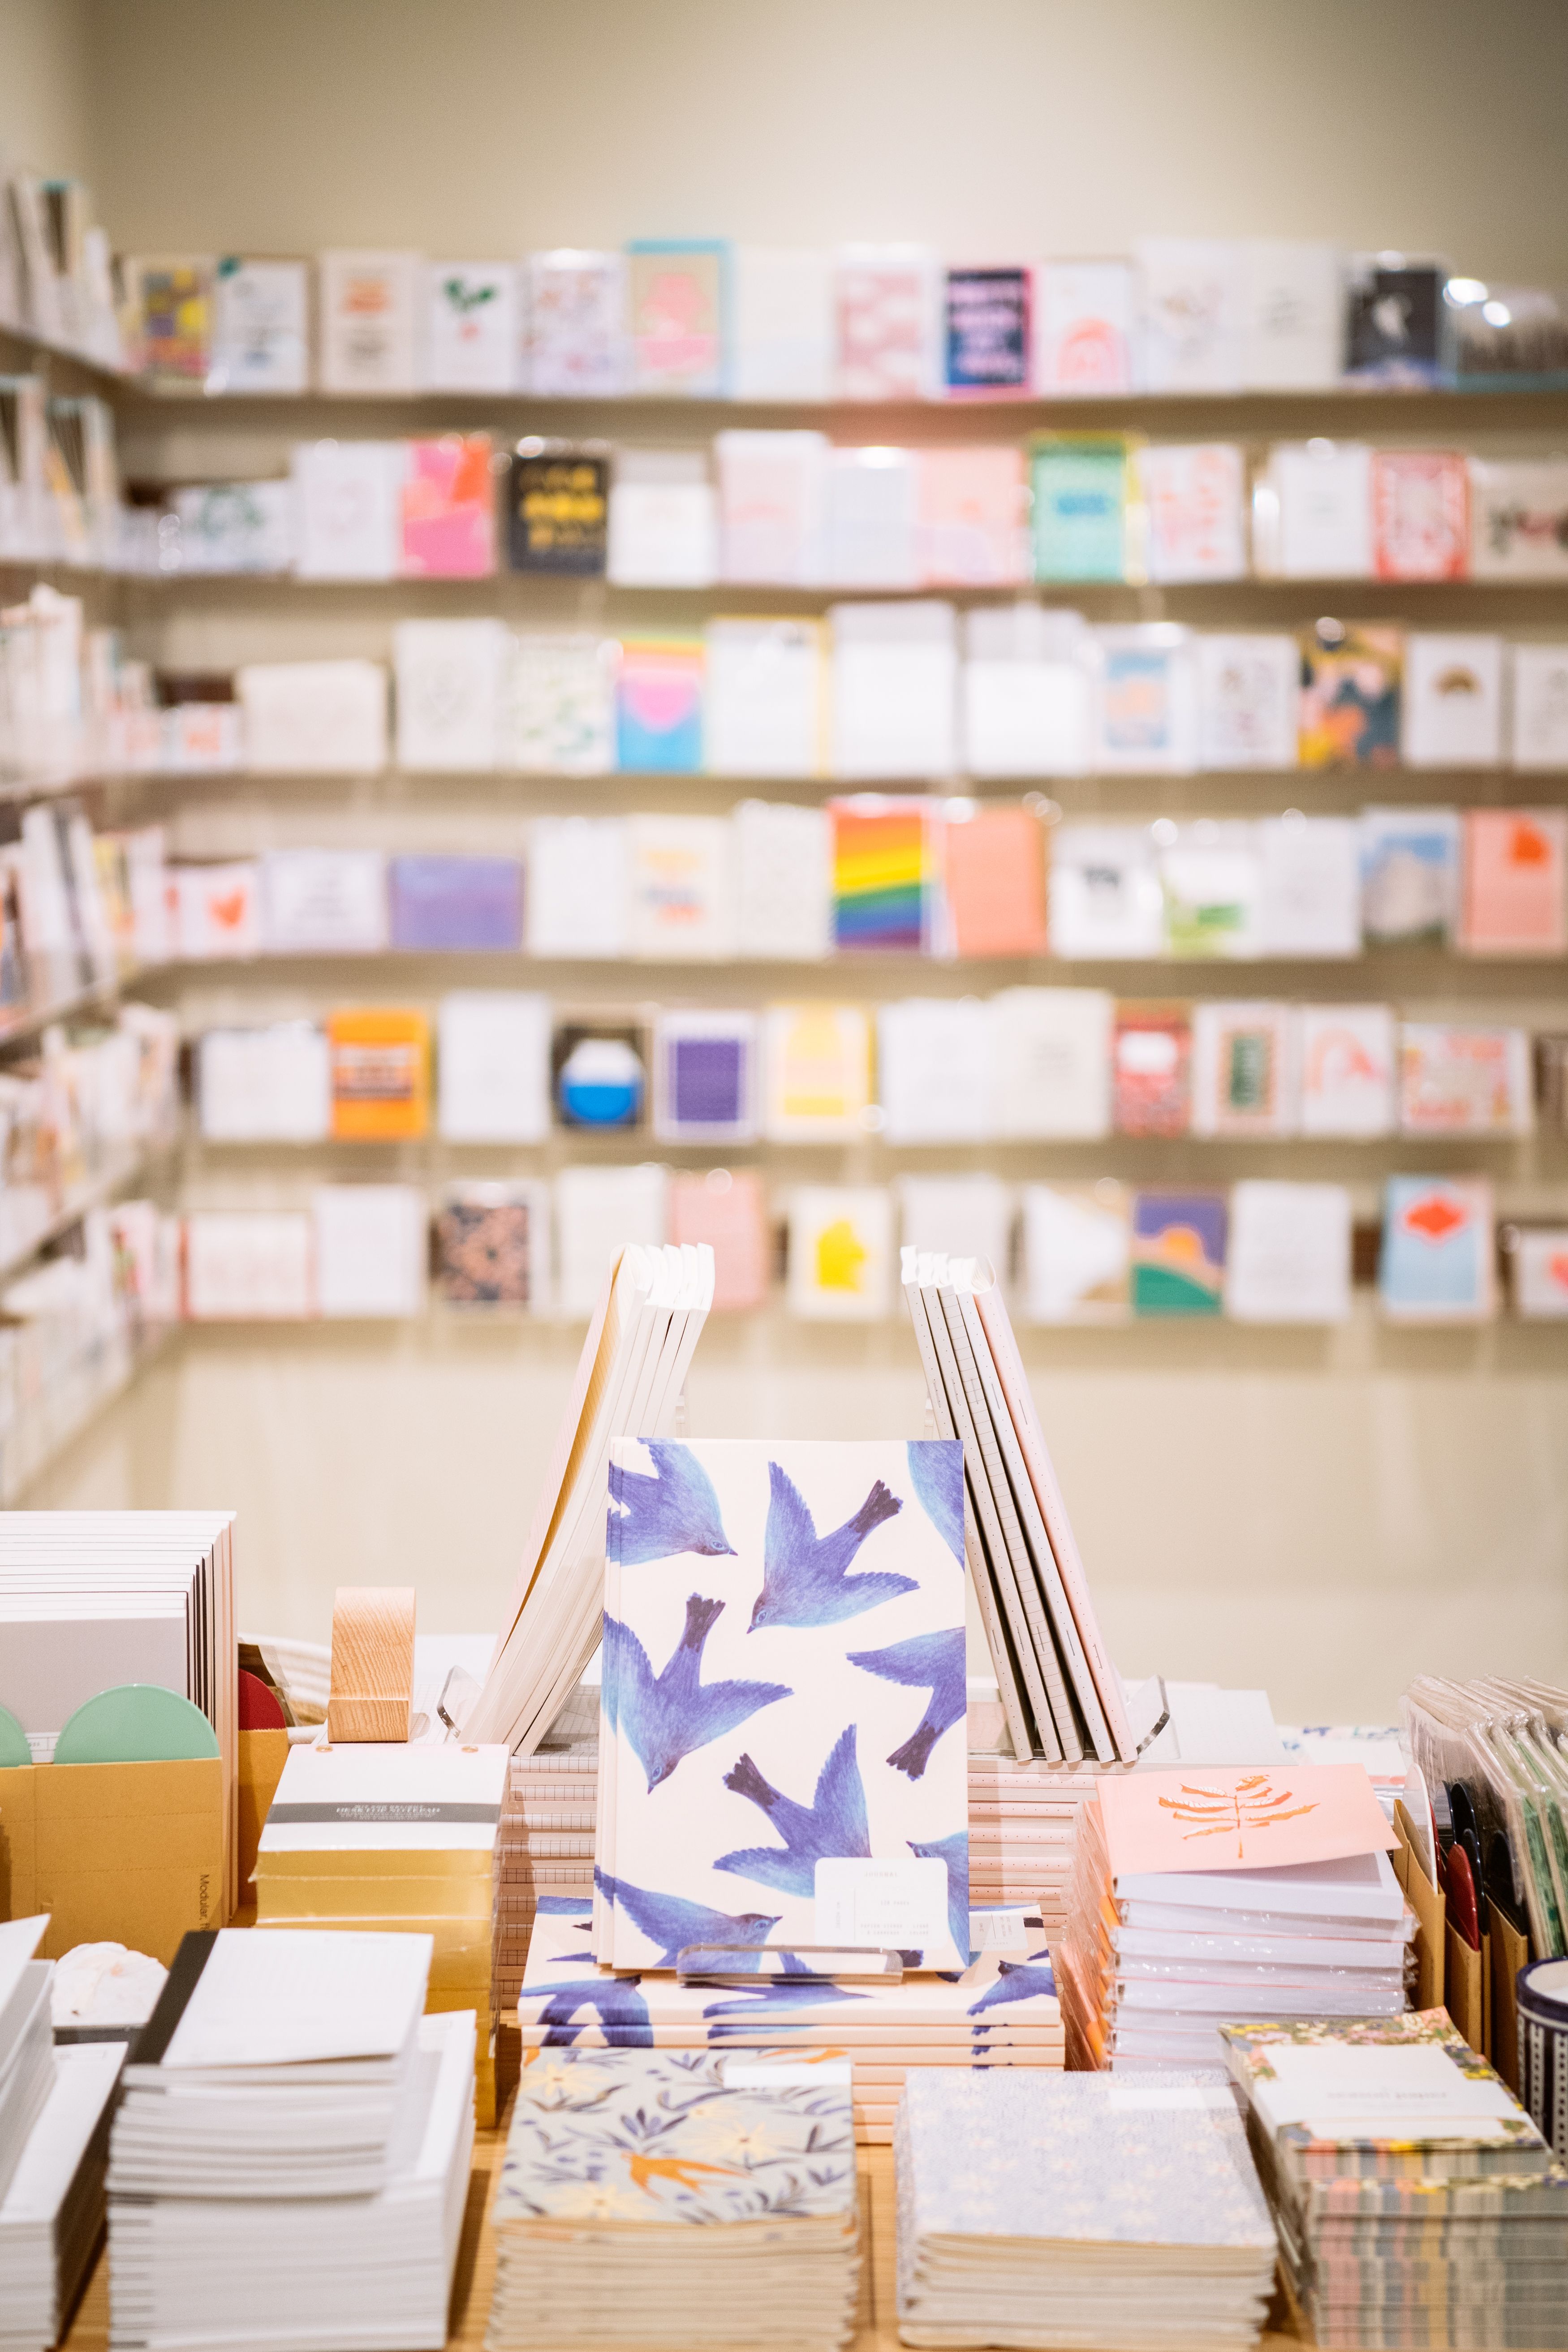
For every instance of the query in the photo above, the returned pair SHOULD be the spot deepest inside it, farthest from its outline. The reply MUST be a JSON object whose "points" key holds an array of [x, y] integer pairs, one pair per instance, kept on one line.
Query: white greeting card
{"points": [[347, 509], [1348, 1065], [1288, 1254], [450, 684], [1452, 708], [475, 332], [1050, 1059], [1249, 690]]}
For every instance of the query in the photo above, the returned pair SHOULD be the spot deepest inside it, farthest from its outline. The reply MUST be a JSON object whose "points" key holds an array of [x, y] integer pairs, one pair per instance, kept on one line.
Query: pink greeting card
{"points": [[1224, 1819], [1420, 514], [448, 509]]}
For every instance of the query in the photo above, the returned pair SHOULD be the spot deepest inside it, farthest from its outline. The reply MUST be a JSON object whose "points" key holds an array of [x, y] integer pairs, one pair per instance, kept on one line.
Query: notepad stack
{"points": [[26, 2038], [675, 2199], [1152, 1960], [1417, 2204], [1021, 1822], [546, 1847], [999, 2012], [384, 1838], [290, 2164], [52, 2213], [1071, 2210]]}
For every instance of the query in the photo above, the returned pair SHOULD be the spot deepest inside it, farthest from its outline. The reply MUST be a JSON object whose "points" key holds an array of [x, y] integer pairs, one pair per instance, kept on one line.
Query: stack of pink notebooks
{"points": [[545, 1847], [1021, 1824], [1215, 1895]]}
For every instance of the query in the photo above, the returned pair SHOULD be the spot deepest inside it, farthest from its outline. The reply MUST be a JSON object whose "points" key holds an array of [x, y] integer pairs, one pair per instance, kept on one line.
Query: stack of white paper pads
{"points": [[1202, 1895], [676, 2199], [1060, 1694], [1417, 2203], [290, 2163], [370, 1835], [630, 1376], [91, 1600], [546, 1847], [53, 2149], [1076, 2212]]}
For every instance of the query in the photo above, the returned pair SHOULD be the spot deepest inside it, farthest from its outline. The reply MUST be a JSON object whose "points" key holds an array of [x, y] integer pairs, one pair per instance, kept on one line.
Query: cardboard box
{"points": [[262, 1756], [124, 1853]]}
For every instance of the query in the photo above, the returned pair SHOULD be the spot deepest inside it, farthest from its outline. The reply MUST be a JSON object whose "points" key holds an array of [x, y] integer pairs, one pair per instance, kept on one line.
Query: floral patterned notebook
{"points": [[783, 1699], [646, 2137]]}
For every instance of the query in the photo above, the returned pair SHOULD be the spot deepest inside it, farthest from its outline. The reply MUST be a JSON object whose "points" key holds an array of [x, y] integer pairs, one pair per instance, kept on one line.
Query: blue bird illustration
{"points": [[933, 1661], [763, 2002], [1016, 1980], [674, 1511], [615, 2001], [954, 1852], [670, 1922], [805, 1577], [936, 1474], [833, 1824], [667, 1715]]}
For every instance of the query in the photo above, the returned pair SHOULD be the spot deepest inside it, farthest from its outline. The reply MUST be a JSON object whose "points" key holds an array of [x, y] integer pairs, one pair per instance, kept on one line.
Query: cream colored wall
{"points": [[1325, 1514], [45, 95]]}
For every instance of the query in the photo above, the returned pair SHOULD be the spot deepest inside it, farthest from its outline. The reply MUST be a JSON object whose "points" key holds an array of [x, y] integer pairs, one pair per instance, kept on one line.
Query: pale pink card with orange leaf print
{"points": [[1260, 1819]]}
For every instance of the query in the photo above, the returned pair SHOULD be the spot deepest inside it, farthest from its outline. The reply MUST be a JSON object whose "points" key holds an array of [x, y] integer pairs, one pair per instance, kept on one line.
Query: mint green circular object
{"points": [[135, 1723], [13, 1747]]}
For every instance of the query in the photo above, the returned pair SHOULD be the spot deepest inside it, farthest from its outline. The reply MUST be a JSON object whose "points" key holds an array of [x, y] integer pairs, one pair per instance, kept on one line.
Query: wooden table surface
{"points": [[876, 2327]]}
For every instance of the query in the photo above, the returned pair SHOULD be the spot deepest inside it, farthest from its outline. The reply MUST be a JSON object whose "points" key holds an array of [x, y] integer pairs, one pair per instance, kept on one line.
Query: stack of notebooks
{"points": [[630, 1376], [1074, 2211], [1417, 2204], [26, 2038], [90, 1599], [1202, 1897], [546, 1847], [676, 2199], [1060, 1693], [290, 2164], [362, 1835], [51, 2217], [999, 2012], [1021, 1822]]}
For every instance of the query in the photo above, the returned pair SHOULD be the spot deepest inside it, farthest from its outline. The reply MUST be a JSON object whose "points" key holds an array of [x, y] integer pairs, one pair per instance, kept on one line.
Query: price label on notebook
{"points": [[997, 1931], [899, 1905]]}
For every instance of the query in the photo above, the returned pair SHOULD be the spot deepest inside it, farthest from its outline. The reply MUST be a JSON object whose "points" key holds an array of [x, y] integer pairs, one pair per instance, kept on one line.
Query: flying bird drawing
{"points": [[954, 1852], [670, 1922], [1016, 1980], [936, 1474], [740, 2010], [674, 1511], [615, 2001], [933, 1661], [805, 1577], [833, 1824], [667, 1715]]}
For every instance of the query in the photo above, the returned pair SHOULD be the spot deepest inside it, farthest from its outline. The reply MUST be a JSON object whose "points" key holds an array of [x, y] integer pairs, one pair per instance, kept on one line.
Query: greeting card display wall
{"points": [[205, 629]]}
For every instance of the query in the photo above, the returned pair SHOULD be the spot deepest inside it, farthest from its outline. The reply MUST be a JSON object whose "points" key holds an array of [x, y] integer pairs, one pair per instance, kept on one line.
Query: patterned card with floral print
{"points": [[633, 2139], [783, 1698]]}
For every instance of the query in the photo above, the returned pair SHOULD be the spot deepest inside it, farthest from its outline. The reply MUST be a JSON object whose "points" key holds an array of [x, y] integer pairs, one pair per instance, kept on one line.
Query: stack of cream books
{"points": [[1001, 2010], [290, 2164], [677, 2200], [1021, 1822], [1204, 1895], [1071, 2210], [546, 1848], [630, 1379], [1061, 1696], [371, 1835]]}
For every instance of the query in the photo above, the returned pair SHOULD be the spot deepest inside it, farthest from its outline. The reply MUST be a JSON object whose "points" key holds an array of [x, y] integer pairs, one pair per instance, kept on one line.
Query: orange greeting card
{"points": [[1515, 893], [381, 1075], [1259, 1819], [995, 877]]}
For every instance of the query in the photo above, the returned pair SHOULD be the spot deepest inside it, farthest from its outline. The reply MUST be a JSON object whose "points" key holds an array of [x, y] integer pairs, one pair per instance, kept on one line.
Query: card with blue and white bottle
{"points": [[783, 1758]]}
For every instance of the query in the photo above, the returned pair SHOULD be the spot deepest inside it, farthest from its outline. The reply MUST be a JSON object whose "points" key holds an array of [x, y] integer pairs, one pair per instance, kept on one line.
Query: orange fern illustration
{"points": [[1253, 1805], [680, 2170]]}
